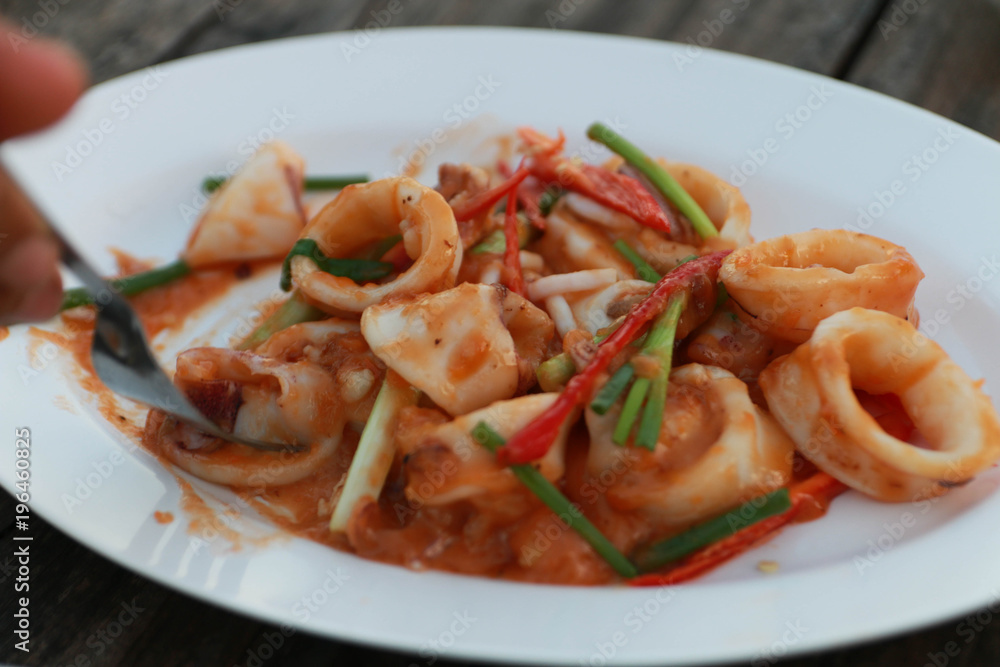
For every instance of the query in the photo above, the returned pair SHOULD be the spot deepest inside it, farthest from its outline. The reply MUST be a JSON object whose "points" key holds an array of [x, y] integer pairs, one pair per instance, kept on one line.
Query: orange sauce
{"points": [[513, 536]]}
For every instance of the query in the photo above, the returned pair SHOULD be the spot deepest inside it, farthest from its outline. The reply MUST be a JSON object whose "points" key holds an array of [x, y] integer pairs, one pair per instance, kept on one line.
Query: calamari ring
{"points": [[258, 397], [367, 213], [723, 203], [786, 285], [810, 393], [737, 454], [470, 470]]}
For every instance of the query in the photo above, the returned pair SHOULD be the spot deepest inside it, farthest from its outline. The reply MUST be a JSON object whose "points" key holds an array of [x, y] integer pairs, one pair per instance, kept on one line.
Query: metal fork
{"points": [[121, 355]]}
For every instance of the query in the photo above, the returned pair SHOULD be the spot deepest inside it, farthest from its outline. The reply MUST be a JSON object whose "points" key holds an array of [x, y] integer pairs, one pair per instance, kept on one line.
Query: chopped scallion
{"points": [[358, 270], [642, 267], [213, 183], [662, 553], [569, 513], [657, 175], [130, 285]]}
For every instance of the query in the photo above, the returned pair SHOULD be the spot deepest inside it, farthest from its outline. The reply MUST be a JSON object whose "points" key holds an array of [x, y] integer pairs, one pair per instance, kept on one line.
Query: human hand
{"points": [[39, 81]]}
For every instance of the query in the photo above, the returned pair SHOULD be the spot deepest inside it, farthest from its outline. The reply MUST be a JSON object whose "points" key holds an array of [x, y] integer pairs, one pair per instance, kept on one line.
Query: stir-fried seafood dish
{"points": [[547, 370]]}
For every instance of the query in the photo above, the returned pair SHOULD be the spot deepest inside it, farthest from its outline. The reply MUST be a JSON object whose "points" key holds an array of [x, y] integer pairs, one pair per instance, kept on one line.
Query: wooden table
{"points": [[939, 54]]}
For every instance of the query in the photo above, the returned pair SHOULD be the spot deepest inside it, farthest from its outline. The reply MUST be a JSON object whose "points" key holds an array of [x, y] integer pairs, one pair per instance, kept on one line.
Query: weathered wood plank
{"points": [[943, 56], [810, 34], [113, 36]]}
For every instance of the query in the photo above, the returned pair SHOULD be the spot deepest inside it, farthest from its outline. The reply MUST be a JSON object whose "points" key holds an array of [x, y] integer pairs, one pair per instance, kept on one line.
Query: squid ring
{"points": [[786, 285], [367, 213], [723, 203], [716, 450], [257, 397], [810, 393]]}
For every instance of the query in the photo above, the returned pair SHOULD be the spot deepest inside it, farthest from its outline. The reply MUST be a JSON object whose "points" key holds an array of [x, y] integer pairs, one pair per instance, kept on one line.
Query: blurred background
{"points": [[938, 54]]}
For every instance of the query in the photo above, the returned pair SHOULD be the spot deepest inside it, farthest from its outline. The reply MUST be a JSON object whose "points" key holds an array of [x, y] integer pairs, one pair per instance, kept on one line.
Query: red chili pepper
{"points": [[398, 257], [529, 193], [484, 201], [534, 440], [616, 191], [889, 412], [512, 251], [820, 488]]}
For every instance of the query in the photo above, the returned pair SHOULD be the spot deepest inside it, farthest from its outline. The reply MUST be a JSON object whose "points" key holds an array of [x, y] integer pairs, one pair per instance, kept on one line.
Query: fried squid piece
{"points": [[723, 204], [786, 285], [811, 393], [257, 214], [716, 450], [366, 214], [465, 348], [571, 245], [256, 397], [458, 183], [473, 470]]}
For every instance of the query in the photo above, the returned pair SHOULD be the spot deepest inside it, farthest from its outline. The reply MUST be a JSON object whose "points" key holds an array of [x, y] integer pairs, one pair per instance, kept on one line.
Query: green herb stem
{"points": [[213, 183], [373, 457], [659, 344], [385, 245], [630, 411], [662, 553], [657, 175], [294, 310], [130, 285], [358, 270], [642, 267], [569, 513], [496, 242], [548, 200], [555, 372], [612, 389]]}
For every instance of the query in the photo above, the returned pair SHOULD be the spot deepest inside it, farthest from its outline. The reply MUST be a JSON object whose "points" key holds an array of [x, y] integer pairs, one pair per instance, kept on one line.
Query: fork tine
{"points": [[120, 353]]}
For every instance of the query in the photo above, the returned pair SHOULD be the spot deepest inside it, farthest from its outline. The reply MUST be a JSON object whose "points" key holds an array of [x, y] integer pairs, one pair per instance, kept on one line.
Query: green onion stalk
{"points": [[294, 310], [642, 268], [130, 285], [569, 513], [663, 553], [659, 345], [657, 175], [213, 183]]}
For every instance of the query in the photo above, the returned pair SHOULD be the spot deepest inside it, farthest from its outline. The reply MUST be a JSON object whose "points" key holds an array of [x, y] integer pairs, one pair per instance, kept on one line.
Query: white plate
{"points": [[827, 149]]}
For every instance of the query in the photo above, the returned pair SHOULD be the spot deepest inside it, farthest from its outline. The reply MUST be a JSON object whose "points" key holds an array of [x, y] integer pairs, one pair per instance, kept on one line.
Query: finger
{"points": [[40, 79], [30, 286], [29, 277]]}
